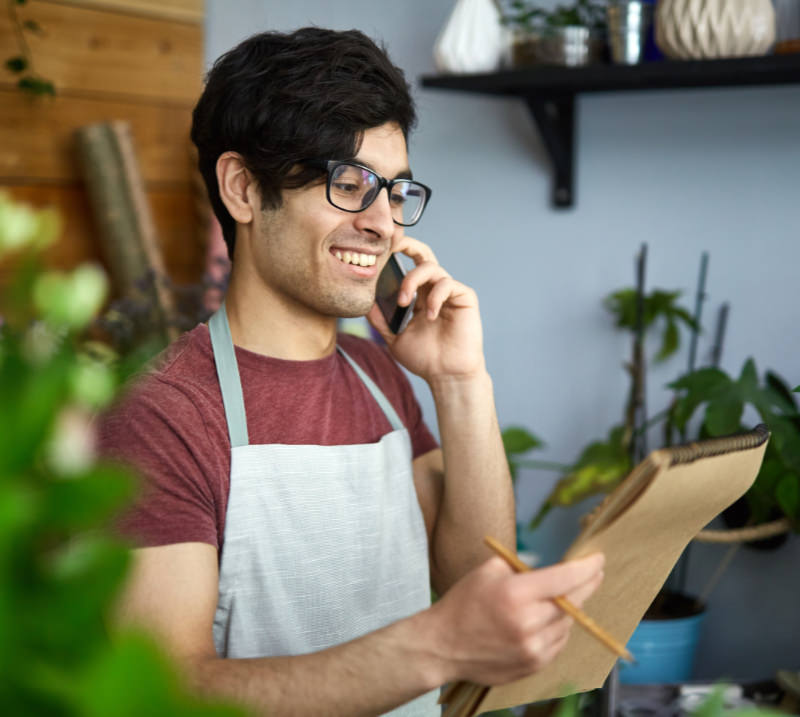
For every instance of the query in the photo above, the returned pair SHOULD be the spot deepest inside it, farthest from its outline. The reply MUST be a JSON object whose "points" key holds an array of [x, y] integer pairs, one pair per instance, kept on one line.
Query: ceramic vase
{"points": [[708, 29], [472, 40]]}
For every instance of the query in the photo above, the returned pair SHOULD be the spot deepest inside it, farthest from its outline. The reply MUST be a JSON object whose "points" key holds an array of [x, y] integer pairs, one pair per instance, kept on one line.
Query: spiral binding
{"points": [[690, 452]]}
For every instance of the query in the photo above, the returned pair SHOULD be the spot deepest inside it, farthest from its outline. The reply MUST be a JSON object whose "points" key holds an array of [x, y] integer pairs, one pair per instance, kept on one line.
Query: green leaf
{"points": [[70, 299], [714, 706], [670, 341], [599, 468], [779, 386], [519, 440], [89, 500], [33, 394], [36, 86], [787, 495], [724, 415], [659, 305], [701, 386], [17, 64], [568, 707], [748, 378]]}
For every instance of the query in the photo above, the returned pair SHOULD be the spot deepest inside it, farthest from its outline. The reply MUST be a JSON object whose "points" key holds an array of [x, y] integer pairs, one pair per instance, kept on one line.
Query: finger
{"points": [[559, 643], [420, 275], [562, 578], [581, 594], [378, 321], [545, 643], [414, 248], [439, 293]]}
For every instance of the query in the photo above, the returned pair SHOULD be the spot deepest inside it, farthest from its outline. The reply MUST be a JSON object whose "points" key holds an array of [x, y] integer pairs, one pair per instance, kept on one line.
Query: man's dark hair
{"points": [[278, 99]]}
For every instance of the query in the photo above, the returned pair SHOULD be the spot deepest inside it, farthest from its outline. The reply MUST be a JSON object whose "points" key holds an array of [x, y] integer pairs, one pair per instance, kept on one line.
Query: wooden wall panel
{"points": [[84, 51], [139, 61], [192, 11], [37, 136], [183, 247]]}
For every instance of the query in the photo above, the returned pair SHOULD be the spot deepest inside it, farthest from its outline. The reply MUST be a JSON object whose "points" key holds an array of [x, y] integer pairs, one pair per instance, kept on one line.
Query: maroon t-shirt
{"points": [[170, 425]]}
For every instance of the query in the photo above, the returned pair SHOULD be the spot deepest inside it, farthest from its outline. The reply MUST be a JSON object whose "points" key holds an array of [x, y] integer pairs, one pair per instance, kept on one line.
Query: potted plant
{"points": [[707, 403], [569, 35]]}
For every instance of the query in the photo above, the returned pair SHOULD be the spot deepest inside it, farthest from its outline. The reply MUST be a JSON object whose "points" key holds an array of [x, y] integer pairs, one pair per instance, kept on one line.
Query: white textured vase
{"points": [[472, 40], [706, 29]]}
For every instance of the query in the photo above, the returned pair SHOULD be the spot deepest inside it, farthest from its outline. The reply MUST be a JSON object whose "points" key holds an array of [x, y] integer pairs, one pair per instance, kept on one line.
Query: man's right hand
{"points": [[495, 626]]}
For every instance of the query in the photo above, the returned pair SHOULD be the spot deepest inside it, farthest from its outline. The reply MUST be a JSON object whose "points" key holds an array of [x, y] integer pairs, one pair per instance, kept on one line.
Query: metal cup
{"points": [[628, 24]]}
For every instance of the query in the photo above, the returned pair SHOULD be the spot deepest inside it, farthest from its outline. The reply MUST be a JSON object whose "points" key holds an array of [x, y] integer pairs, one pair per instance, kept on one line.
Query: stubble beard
{"points": [[346, 305]]}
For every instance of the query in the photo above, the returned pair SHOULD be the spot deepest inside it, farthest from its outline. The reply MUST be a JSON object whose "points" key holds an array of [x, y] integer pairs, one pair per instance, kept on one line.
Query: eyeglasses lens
{"points": [[354, 188]]}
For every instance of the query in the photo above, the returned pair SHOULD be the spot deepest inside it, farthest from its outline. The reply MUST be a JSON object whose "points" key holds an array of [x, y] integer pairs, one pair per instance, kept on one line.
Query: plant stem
{"points": [[700, 297], [544, 465], [15, 23], [719, 338], [635, 414]]}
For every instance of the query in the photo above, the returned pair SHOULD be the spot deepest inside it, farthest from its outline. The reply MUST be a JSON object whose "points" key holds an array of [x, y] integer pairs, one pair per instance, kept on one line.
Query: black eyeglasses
{"points": [[352, 187]]}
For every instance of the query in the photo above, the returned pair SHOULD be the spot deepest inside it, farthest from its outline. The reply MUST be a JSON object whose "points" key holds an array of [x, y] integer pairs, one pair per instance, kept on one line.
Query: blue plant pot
{"points": [[664, 651]]}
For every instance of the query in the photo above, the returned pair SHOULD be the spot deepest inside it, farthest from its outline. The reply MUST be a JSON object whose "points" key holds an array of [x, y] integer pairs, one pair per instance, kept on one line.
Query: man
{"points": [[298, 509]]}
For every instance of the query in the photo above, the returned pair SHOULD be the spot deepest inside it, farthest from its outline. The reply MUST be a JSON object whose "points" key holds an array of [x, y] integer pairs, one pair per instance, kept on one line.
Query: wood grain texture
{"points": [[182, 243], [37, 136], [192, 11], [87, 51]]}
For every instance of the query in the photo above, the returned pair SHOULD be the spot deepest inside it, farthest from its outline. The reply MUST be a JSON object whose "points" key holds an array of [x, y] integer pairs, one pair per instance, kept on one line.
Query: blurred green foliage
{"points": [[659, 307], [776, 491], [59, 568]]}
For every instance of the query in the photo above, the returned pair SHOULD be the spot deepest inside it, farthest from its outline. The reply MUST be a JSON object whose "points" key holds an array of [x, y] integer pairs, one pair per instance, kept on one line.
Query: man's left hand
{"points": [[444, 339]]}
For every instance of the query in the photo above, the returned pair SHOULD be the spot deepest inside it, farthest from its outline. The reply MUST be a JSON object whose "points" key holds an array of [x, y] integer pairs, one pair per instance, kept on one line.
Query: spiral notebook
{"points": [[643, 526]]}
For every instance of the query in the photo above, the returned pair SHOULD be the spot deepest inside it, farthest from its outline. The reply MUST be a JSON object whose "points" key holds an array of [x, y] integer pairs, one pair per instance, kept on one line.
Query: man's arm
{"points": [[491, 627], [465, 489]]}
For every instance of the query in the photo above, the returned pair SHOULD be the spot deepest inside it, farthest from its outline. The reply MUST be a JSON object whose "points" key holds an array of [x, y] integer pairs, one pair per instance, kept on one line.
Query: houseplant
{"points": [[567, 35]]}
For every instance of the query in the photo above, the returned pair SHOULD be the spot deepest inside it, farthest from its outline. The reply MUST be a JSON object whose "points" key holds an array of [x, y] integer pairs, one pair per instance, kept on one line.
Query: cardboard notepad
{"points": [[642, 527]]}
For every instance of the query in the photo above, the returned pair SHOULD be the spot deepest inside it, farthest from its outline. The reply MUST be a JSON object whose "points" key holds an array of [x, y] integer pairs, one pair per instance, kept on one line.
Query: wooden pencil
{"points": [[574, 612]]}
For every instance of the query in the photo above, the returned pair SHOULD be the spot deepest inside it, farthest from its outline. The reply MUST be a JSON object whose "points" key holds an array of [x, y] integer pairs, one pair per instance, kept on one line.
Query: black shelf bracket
{"points": [[555, 117]]}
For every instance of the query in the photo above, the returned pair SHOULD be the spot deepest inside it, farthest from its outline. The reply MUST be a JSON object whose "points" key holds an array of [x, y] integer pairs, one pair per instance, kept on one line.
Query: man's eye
{"points": [[346, 187], [398, 198]]}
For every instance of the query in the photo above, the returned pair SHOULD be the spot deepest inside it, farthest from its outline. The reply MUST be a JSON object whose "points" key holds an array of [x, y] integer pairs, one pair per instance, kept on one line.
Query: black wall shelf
{"points": [[549, 93]]}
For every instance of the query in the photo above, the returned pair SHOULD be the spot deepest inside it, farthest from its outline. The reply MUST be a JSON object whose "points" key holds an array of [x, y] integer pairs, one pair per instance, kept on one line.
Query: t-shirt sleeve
{"points": [[155, 431]]}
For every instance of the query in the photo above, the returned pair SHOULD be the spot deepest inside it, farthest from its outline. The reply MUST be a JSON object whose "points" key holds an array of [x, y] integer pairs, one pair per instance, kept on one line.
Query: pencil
{"points": [[574, 612]]}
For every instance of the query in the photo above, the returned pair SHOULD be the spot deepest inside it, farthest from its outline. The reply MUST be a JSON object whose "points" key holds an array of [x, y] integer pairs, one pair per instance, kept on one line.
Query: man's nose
{"points": [[377, 217]]}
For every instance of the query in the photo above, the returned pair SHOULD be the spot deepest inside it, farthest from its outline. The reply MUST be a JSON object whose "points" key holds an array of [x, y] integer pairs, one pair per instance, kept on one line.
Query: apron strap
{"points": [[377, 394], [228, 375]]}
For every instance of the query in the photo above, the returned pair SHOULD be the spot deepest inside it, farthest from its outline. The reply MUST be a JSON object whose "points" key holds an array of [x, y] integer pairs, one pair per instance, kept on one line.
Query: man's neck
{"points": [[262, 323]]}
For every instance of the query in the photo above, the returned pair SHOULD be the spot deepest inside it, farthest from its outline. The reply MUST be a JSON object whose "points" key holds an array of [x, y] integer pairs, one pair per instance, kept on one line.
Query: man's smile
{"points": [[354, 257]]}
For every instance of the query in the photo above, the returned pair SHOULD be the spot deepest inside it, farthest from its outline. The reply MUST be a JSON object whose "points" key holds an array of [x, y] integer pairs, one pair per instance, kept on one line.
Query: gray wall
{"points": [[686, 172]]}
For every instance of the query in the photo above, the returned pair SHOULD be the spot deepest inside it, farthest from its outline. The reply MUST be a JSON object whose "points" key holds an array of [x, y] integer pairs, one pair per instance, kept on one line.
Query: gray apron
{"points": [[323, 544]]}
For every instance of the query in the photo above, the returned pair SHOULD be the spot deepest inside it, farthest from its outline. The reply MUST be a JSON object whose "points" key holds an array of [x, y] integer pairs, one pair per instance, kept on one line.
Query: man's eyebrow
{"points": [[402, 174]]}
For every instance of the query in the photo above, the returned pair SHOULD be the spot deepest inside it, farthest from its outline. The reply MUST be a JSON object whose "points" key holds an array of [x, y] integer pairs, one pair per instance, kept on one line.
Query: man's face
{"points": [[301, 249]]}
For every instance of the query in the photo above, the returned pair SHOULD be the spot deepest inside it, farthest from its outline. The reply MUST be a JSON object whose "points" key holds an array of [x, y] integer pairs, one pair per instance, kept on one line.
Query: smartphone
{"points": [[386, 296]]}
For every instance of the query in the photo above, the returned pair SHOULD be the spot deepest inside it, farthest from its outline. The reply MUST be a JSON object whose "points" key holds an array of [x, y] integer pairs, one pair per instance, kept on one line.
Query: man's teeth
{"points": [[354, 257]]}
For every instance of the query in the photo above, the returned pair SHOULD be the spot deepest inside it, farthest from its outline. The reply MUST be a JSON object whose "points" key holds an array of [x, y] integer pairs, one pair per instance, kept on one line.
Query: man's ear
{"points": [[236, 187]]}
